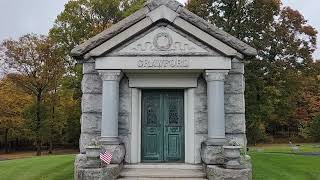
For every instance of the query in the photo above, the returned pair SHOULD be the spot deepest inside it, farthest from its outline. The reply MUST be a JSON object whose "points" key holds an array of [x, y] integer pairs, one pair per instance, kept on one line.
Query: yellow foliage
{"points": [[12, 104]]}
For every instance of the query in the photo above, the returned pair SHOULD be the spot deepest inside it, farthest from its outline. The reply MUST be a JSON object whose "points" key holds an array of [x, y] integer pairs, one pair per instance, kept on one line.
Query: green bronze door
{"points": [[162, 126]]}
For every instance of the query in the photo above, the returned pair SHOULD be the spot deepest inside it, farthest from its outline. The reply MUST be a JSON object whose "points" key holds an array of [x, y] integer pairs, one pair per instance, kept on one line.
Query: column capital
{"points": [[215, 75], [110, 75]]}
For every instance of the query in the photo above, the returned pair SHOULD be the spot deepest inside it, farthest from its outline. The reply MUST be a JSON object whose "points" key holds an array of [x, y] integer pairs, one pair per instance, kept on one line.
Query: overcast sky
{"points": [[19, 17]]}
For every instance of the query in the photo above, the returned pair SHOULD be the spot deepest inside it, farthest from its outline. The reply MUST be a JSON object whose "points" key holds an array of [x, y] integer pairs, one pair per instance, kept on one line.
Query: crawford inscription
{"points": [[162, 63]]}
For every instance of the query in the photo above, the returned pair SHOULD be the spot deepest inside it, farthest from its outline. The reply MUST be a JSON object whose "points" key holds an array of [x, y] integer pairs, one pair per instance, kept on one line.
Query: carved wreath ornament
{"points": [[162, 41]]}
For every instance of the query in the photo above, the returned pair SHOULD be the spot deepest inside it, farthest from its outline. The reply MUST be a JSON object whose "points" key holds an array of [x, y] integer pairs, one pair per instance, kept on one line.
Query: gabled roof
{"points": [[81, 50]]}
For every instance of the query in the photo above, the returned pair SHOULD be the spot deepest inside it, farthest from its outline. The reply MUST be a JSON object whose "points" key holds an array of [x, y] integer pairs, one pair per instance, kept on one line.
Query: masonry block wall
{"points": [[92, 105]]}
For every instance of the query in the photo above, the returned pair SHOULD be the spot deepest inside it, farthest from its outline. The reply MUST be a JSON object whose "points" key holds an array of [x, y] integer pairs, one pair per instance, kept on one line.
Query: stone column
{"points": [[110, 106], [216, 116]]}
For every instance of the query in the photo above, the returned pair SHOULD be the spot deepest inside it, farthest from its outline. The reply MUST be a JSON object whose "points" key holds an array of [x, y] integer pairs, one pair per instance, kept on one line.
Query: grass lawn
{"points": [[285, 148], [58, 167], [276, 162], [278, 166]]}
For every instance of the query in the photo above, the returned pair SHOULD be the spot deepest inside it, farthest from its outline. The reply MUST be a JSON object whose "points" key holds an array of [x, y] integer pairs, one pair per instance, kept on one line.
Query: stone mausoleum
{"points": [[163, 91]]}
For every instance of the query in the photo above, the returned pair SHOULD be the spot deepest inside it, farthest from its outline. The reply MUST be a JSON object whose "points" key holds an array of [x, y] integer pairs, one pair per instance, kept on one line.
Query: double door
{"points": [[162, 126]]}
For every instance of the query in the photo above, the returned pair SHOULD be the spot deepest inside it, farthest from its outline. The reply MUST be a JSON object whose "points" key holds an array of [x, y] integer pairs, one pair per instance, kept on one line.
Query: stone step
{"points": [[132, 178], [163, 166], [161, 173]]}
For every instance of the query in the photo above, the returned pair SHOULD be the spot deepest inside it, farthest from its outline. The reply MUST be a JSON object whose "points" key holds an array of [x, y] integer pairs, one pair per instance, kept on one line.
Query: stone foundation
{"points": [[225, 163], [118, 152], [212, 154], [89, 170]]}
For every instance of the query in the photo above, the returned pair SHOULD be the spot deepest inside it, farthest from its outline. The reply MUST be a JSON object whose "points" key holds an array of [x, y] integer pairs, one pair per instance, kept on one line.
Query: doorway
{"points": [[162, 126]]}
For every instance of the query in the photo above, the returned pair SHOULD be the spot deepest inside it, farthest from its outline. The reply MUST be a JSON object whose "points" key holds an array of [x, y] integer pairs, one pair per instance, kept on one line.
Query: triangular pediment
{"points": [[163, 40]]}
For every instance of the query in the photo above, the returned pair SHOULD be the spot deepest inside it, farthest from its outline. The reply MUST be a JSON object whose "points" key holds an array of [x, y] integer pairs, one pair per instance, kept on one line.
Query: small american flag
{"points": [[106, 157]]}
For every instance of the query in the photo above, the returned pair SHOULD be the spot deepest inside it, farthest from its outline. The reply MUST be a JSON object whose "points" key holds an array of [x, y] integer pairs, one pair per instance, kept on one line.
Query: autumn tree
{"points": [[13, 102], [79, 21], [82, 19], [285, 43], [36, 63]]}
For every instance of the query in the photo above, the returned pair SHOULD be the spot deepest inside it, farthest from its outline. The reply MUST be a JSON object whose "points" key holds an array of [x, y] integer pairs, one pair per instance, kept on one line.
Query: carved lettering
{"points": [[162, 63]]}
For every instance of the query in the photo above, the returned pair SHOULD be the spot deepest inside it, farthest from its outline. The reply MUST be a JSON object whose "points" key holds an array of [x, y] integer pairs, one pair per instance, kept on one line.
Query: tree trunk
{"points": [[6, 141], [52, 119], [50, 146], [38, 127]]}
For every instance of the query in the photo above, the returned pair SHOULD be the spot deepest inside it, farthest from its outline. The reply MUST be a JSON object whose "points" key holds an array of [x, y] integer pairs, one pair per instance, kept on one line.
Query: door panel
{"points": [[174, 126], [152, 131], [162, 125]]}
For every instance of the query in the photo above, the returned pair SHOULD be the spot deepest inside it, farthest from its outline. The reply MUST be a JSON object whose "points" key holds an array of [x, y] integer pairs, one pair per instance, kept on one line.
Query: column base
{"points": [[110, 141], [118, 152], [215, 141], [84, 172], [212, 154]]}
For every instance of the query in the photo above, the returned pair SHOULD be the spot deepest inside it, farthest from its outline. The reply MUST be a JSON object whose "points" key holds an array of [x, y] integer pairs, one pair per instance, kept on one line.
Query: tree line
{"points": [[40, 93]]}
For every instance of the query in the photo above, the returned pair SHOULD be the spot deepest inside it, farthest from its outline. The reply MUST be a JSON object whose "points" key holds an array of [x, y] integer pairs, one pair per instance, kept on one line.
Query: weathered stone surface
{"points": [[92, 88], [92, 163], [239, 138], [89, 68], [118, 152], [80, 161], [86, 139], [125, 139], [232, 157], [91, 83], [234, 83], [172, 4], [97, 40], [162, 11], [125, 107], [121, 37], [200, 105], [199, 139], [91, 103], [212, 155], [109, 172], [88, 174], [235, 123], [226, 38], [220, 173], [234, 103], [237, 67], [91, 122]]}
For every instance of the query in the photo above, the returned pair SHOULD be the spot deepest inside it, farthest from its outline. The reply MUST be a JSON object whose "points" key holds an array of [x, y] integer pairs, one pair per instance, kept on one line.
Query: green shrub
{"points": [[315, 128]]}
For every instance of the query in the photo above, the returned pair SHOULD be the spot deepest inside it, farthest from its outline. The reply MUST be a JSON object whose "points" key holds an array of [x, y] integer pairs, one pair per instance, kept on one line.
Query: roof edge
{"points": [[105, 35], [216, 32], [81, 50]]}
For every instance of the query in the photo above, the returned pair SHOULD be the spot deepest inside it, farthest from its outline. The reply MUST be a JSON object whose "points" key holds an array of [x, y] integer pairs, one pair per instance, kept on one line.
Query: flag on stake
{"points": [[106, 157]]}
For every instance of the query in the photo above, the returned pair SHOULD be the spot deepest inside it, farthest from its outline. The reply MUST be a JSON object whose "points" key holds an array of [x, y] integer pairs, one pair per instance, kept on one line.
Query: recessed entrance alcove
{"points": [[162, 86]]}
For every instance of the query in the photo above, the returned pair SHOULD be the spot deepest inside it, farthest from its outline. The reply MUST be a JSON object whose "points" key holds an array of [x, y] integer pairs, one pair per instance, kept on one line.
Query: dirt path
{"points": [[26, 154]]}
